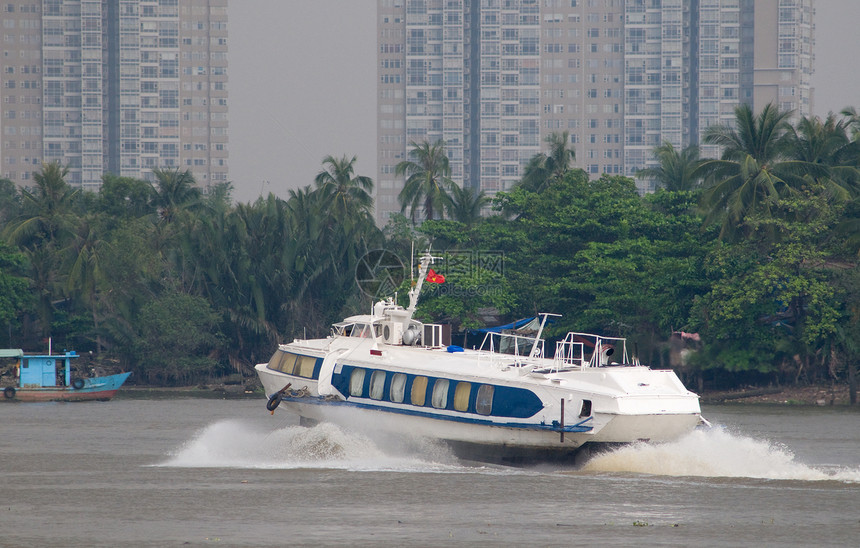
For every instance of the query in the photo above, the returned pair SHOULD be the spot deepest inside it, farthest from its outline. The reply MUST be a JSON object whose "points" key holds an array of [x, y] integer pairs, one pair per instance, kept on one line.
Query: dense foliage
{"points": [[755, 253]]}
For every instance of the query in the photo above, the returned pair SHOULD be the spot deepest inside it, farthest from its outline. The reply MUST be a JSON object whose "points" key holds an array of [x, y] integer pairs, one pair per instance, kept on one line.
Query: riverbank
{"points": [[818, 395], [218, 392]]}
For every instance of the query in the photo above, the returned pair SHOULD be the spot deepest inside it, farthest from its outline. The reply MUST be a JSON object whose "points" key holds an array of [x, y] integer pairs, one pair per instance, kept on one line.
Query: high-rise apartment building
{"points": [[116, 86], [492, 78]]}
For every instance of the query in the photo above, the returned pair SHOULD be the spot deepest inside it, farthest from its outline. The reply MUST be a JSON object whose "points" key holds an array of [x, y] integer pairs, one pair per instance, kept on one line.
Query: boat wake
{"points": [[716, 453], [236, 444]]}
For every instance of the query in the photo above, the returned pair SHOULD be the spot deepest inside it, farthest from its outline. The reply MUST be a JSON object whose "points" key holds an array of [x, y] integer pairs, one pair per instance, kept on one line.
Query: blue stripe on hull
{"points": [[578, 427]]}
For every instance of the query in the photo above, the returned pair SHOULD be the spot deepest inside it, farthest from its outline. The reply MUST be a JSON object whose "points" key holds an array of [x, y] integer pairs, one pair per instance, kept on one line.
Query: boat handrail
{"points": [[532, 347], [568, 354], [601, 345]]}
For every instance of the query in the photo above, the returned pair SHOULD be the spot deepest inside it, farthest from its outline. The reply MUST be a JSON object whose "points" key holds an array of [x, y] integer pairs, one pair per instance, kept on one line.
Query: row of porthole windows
{"points": [[418, 392]]}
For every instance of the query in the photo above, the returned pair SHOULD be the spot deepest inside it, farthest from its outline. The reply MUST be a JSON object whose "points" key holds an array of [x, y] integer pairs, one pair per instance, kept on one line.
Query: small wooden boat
{"points": [[48, 377]]}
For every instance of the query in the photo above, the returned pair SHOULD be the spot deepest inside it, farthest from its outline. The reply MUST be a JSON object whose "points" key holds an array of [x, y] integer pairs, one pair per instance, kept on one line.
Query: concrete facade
{"points": [[121, 86], [493, 78]]}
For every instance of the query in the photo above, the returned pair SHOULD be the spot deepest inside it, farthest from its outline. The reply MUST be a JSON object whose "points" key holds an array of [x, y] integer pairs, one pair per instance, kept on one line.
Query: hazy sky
{"points": [[303, 85]]}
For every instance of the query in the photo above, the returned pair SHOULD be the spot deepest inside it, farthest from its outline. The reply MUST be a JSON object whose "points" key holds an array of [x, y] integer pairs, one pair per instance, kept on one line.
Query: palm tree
{"points": [[826, 143], [755, 169], [428, 179], [46, 207], [544, 169], [40, 231], [174, 191], [10, 202], [345, 194], [86, 256], [466, 205], [677, 171], [852, 121]]}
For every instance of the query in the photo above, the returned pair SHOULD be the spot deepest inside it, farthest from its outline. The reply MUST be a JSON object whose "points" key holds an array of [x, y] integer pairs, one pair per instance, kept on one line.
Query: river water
{"points": [[199, 472]]}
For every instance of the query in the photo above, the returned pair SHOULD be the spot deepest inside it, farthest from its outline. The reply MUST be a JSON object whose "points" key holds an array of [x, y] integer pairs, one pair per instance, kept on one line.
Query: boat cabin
{"points": [[36, 371]]}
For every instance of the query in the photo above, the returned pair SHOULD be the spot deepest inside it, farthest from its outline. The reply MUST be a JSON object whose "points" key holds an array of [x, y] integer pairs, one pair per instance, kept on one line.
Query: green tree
{"points": [[125, 197], [544, 169], [132, 274], [771, 308], [428, 179], [14, 296], [755, 170], [598, 253], [40, 231], [677, 170], [846, 341], [46, 208], [346, 196], [174, 191], [466, 205], [10, 201], [85, 264], [219, 198], [175, 335], [826, 144]]}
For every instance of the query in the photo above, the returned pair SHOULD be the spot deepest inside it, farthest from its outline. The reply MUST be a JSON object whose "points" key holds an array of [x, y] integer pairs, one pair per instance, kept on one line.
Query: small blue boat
{"points": [[48, 377]]}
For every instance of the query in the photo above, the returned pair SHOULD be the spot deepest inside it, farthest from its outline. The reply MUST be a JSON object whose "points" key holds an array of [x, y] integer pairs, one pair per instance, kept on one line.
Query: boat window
{"points": [[419, 390], [484, 400], [287, 362], [440, 394], [356, 382], [360, 330], [398, 387], [305, 366], [274, 361], [461, 396], [283, 362], [377, 384]]}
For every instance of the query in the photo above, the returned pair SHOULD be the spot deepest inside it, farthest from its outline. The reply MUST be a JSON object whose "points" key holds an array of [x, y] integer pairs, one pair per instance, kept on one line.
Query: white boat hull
{"points": [[485, 439], [386, 371]]}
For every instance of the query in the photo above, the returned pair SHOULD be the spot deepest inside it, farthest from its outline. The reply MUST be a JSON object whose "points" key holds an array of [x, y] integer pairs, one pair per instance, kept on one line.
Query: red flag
{"points": [[434, 278]]}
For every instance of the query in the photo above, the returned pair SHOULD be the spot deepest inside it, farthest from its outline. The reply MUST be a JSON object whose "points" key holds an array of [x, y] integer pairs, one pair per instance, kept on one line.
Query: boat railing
{"points": [[519, 346], [574, 350], [569, 354]]}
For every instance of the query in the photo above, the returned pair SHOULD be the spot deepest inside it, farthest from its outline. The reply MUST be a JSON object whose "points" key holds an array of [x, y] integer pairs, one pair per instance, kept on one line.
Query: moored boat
{"points": [[391, 372], [48, 377]]}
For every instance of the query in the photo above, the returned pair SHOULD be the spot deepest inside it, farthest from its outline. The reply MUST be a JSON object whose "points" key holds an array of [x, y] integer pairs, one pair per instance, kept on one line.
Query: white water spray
{"points": [[235, 444], [715, 453]]}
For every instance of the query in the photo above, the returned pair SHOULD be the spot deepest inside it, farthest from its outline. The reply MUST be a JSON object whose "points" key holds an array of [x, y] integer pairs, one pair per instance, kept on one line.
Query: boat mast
{"points": [[426, 261], [545, 315]]}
